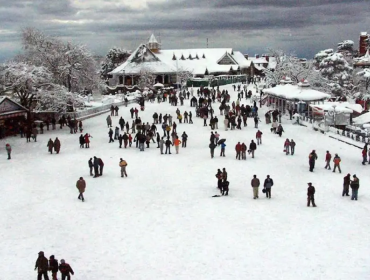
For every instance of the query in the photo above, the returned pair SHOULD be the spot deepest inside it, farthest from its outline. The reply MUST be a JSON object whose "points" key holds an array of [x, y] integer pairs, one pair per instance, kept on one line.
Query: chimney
{"points": [[363, 43]]}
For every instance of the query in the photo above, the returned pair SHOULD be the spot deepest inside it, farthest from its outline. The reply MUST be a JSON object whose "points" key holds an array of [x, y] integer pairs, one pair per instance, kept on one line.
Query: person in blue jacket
{"points": [[223, 145]]}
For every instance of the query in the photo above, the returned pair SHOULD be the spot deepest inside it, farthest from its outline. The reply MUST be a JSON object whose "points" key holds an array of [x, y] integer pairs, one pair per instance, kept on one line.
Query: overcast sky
{"points": [[250, 26]]}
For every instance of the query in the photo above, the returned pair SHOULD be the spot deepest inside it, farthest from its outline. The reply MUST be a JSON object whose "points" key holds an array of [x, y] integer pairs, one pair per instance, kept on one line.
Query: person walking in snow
{"points": [[223, 146], [244, 151], [96, 167], [82, 141], [311, 195], [177, 143], [364, 156], [327, 160], [101, 166], [91, 166], [50, 146], [337, 161], [168, 144], [184, 138], [279, 130], [355, 185], [81, 186], [346, 183], [256, 120], [65, 269], [267, 186], [252, 148], [286, 146], [116, 133], [87, 140], [255, 183], [42, 266], [57, 145], [212, 147], [161, 145], [238, 149], [259, 137], [225, 187], [312, 159], [123, 164], [110, 133], [109, 121], [8, 149], [226, 123], [53, 267], [292, 147]]}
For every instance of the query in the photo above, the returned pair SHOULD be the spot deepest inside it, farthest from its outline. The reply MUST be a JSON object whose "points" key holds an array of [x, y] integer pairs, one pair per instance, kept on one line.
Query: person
{"points": [[346, 183], [34, 133], [81, 186], [238, 149], [65, 269], [225, 187], [252, 148], [87, 140], [168, 144], [109, 121], [50, 146], [91, 166], [311, 195], [292, 147], [42, 266], [57, 145], [101, 166], [161, 144], [212, 147], [53, 267], [177, 143], [255, 183], [110, 133], [184, 138], [279, 130], [96, 167], [364, 156], [286, 146], [337, 161], [259, 137], [8, 149], [223, 146], [123, 164], [267, 185], [327, 160], [311, 160], [219, 180], [355, 185], [244, 151], [256, 120], [224, 174]]}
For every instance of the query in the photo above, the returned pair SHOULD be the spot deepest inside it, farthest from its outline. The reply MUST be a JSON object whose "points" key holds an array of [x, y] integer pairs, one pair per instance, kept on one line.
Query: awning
{"points": [[12, 114]]}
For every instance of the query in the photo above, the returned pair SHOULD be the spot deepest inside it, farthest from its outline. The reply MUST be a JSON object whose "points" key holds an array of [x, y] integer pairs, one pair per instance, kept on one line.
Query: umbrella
{"points": [[221, 141]]}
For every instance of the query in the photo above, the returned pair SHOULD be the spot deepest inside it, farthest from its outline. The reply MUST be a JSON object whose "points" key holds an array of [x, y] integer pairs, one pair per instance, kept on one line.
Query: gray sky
{"points": [[250, 26]]}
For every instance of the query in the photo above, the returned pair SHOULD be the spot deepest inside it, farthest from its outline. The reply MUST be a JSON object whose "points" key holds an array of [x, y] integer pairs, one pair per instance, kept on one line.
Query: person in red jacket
{"points": [[337, 161], [364, 156], [65, 269], [101, 166], [259, 137], [244, 151], [238, 149], [130, 140], [327, 160]]}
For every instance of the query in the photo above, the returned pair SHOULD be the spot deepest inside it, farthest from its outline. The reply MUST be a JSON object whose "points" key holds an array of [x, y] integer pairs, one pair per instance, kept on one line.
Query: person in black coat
{"points": [[91, 166], [121, 123], [212, 138], [110, 133], [267, 186], [252, 147], [120, 140], [158, 139], [225, 187], [212, 147], [168, 144], [96, 167], [311, 195], [184, 138], [53, 267], [312, 159], [82, 141]]}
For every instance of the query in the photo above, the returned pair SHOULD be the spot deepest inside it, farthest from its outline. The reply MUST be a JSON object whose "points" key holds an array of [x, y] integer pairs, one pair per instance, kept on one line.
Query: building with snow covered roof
{"points": [[166, 64]]}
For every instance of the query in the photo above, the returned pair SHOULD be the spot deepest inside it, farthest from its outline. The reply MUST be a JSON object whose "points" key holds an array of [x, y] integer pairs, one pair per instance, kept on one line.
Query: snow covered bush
{"points": [[146, 79], [114, 58]]}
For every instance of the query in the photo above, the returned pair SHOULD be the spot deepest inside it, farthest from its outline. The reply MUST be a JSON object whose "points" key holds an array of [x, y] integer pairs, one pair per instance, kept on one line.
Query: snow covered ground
{"points": [[162, 221]]}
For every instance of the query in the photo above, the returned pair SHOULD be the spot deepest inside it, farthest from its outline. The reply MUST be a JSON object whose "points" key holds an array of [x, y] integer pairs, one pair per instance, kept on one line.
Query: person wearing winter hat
{"points": [[311, 195], [65, 269], [42, 266], [8, 150]]}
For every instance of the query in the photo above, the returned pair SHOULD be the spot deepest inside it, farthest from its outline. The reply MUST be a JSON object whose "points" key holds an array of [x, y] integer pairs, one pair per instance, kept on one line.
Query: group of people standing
{"points": [[43, 266]]}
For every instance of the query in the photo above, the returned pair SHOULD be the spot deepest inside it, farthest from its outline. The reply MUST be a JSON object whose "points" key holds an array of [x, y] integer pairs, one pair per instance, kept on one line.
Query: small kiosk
{"points": [[12, 116]]}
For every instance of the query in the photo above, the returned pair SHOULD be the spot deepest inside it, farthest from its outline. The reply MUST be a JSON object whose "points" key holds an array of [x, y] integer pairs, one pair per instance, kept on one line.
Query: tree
{"points": [[146, 79], [183, 75], [72, 66], [57, 98], [23, 80], [365, 78], [114, 58]]}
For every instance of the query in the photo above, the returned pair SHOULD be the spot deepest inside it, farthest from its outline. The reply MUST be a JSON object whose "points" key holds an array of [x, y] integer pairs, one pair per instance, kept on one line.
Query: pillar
{"points": [[132, 80]]}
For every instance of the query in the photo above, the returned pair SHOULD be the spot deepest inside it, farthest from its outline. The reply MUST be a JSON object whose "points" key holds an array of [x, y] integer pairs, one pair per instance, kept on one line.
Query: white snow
{"points": [[162, 223], [339, 107], [294, 92]]}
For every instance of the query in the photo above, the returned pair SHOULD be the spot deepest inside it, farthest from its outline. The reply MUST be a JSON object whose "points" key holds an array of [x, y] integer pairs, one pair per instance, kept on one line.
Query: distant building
{"points": [[165, 64], [363, 45]]}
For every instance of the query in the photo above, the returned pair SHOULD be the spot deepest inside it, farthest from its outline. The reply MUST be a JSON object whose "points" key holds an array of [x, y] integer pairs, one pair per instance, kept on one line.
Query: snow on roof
{"points": [[272, 63], [364, 118], [365, 59], [294, 92], [339, 107], [152, 39]]}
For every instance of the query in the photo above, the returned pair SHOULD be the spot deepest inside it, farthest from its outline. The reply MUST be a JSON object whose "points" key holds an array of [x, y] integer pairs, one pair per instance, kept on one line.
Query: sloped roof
{"points": [[11, 105], [294, 92], [152, 39]]}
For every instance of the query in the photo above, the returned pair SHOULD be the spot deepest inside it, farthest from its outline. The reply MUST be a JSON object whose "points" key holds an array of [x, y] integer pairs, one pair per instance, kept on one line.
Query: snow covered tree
{"points": [[321, 55], [72, 66], [365, 78], [336, 69], [183, 75], [57, 98], [23, 80], [114, 58], [146, 79]]}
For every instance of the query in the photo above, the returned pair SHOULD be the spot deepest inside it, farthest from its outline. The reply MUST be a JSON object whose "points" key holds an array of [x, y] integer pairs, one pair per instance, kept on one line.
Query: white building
{"points": [[165, 64]]}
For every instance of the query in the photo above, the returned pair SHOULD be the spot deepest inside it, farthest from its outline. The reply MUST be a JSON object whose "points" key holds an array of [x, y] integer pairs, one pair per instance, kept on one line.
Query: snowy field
{"points": [[162, 221]]}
